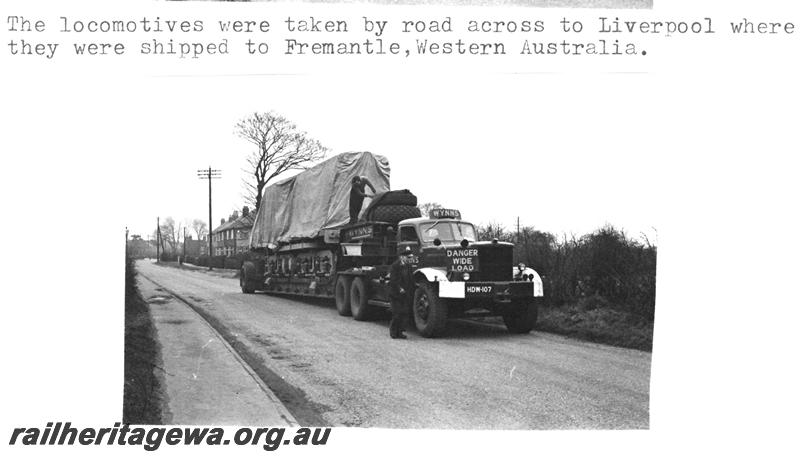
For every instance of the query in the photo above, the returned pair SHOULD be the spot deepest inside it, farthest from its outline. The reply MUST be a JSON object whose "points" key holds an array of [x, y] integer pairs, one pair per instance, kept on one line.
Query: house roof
{"points": [[243, 222]]}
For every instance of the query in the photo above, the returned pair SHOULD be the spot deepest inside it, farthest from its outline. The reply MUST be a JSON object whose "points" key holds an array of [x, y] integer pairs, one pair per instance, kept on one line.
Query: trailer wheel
{"points": [[430, 311], [521, 318], [246, 282], [342, 295], [358, 299]]}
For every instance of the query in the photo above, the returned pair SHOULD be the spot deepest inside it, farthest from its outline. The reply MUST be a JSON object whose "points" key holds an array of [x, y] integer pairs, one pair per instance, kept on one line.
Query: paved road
{"points": [[333, 370]]}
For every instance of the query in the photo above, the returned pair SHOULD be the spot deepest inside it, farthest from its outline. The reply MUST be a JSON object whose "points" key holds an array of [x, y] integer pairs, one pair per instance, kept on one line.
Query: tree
{"points": [[200, 228], [535, 248], [426, 208], [493, 230], [168, 235], [280, 147]]}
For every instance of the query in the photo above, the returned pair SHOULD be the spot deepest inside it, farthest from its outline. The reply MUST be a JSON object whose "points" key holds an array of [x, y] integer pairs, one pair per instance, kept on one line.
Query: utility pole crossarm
{"points": [[209, 174]]}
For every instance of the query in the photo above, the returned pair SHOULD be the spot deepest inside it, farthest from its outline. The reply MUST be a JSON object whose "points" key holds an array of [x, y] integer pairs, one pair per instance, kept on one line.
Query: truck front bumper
{"points": [[497, 291]]}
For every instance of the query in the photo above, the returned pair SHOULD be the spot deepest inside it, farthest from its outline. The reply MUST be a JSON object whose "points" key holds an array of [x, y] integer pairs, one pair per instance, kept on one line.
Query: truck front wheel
{"points": [[358, 299], [521, 318], [342, 295], [430, 312]]}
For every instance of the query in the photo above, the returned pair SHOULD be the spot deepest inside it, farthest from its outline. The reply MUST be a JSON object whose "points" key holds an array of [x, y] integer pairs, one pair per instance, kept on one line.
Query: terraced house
{"points": [[233, 236]]}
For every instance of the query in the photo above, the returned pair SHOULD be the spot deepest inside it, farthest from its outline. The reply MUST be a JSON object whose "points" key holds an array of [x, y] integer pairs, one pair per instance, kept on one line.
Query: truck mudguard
{"points": [[432, 274], [447, 289], [538, 285]]}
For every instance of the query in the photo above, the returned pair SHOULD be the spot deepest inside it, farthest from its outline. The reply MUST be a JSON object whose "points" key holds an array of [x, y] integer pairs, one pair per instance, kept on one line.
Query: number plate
{"points": [[479, 290]]}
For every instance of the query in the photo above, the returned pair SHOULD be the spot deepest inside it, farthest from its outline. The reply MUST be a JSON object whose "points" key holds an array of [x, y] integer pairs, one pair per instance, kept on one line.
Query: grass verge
{"points": [[593, 321], [142, 394]]}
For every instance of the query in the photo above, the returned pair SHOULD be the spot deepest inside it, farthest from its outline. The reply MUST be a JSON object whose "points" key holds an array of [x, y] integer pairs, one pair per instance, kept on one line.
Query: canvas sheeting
{"points": [[302, 206]]}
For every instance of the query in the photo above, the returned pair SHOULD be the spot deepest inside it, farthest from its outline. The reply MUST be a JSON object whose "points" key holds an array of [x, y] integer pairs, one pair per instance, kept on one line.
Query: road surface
{"points": [[332, 370]]}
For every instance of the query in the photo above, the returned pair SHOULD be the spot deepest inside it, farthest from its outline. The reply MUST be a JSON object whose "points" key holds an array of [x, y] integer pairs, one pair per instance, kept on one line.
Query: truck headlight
{"points": [[466, 276]]}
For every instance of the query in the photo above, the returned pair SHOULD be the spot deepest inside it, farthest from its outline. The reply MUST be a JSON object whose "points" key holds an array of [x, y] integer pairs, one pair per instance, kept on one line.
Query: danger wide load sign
{"points": [[463, 259]]}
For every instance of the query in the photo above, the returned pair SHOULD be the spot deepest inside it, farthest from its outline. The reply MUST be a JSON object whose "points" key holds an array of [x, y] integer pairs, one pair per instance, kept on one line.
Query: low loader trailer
{"points": [[455, 275]]}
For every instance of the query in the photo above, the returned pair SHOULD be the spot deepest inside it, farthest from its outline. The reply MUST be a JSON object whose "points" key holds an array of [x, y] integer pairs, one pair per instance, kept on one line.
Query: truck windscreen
{"points": [[448, 231]]}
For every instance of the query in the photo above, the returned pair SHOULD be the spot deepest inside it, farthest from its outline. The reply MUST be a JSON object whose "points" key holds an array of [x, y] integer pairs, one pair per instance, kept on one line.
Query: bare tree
{"points": [[426, 208], [280, 147], [493, 230], [168, 235], [200, 228], [166, 231]]}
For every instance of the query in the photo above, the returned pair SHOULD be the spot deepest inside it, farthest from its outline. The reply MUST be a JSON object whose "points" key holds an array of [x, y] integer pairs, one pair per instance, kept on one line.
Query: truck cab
{"points": [[458, 276]]}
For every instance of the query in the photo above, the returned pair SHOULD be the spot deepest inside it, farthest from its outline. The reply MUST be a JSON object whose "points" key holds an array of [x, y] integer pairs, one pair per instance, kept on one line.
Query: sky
{"points": [[512, 149]]}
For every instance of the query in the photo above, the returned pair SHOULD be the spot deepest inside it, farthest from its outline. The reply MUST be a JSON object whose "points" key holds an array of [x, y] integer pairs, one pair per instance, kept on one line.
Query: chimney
{"points": [[245, 211], [222, 221], [235, 215]]}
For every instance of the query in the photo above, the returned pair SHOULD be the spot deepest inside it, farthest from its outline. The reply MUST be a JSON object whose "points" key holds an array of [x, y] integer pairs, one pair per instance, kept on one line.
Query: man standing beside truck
{"points": [[399, 285], [357, 194]]}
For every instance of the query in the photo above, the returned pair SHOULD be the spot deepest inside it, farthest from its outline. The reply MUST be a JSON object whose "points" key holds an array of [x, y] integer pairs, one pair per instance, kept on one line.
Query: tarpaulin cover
{"points": [[302, 206]]}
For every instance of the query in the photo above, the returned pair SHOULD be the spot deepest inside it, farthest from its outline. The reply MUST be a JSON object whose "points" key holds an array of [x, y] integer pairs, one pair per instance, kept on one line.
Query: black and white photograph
{"points": [[430, 287], [389, 229]]}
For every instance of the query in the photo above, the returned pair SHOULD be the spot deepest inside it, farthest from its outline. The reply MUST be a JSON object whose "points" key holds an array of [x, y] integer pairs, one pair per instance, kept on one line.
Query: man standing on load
{"points": [[357, 194]]}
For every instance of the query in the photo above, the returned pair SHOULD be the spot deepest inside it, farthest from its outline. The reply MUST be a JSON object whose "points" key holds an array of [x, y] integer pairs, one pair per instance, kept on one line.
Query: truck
{"points": [[302, 244]]}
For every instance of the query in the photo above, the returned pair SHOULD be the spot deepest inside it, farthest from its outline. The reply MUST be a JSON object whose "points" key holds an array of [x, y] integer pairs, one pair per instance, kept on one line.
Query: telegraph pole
{"points": [[158, 238], [209, 174], [184, 246]]}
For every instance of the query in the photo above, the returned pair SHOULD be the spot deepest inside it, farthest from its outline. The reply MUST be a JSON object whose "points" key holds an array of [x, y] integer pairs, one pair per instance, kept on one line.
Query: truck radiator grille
{"points": [[496, 263]]}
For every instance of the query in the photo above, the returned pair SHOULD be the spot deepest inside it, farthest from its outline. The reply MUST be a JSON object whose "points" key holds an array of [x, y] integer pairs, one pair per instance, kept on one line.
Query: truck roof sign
{"points": [[445, 213]]}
